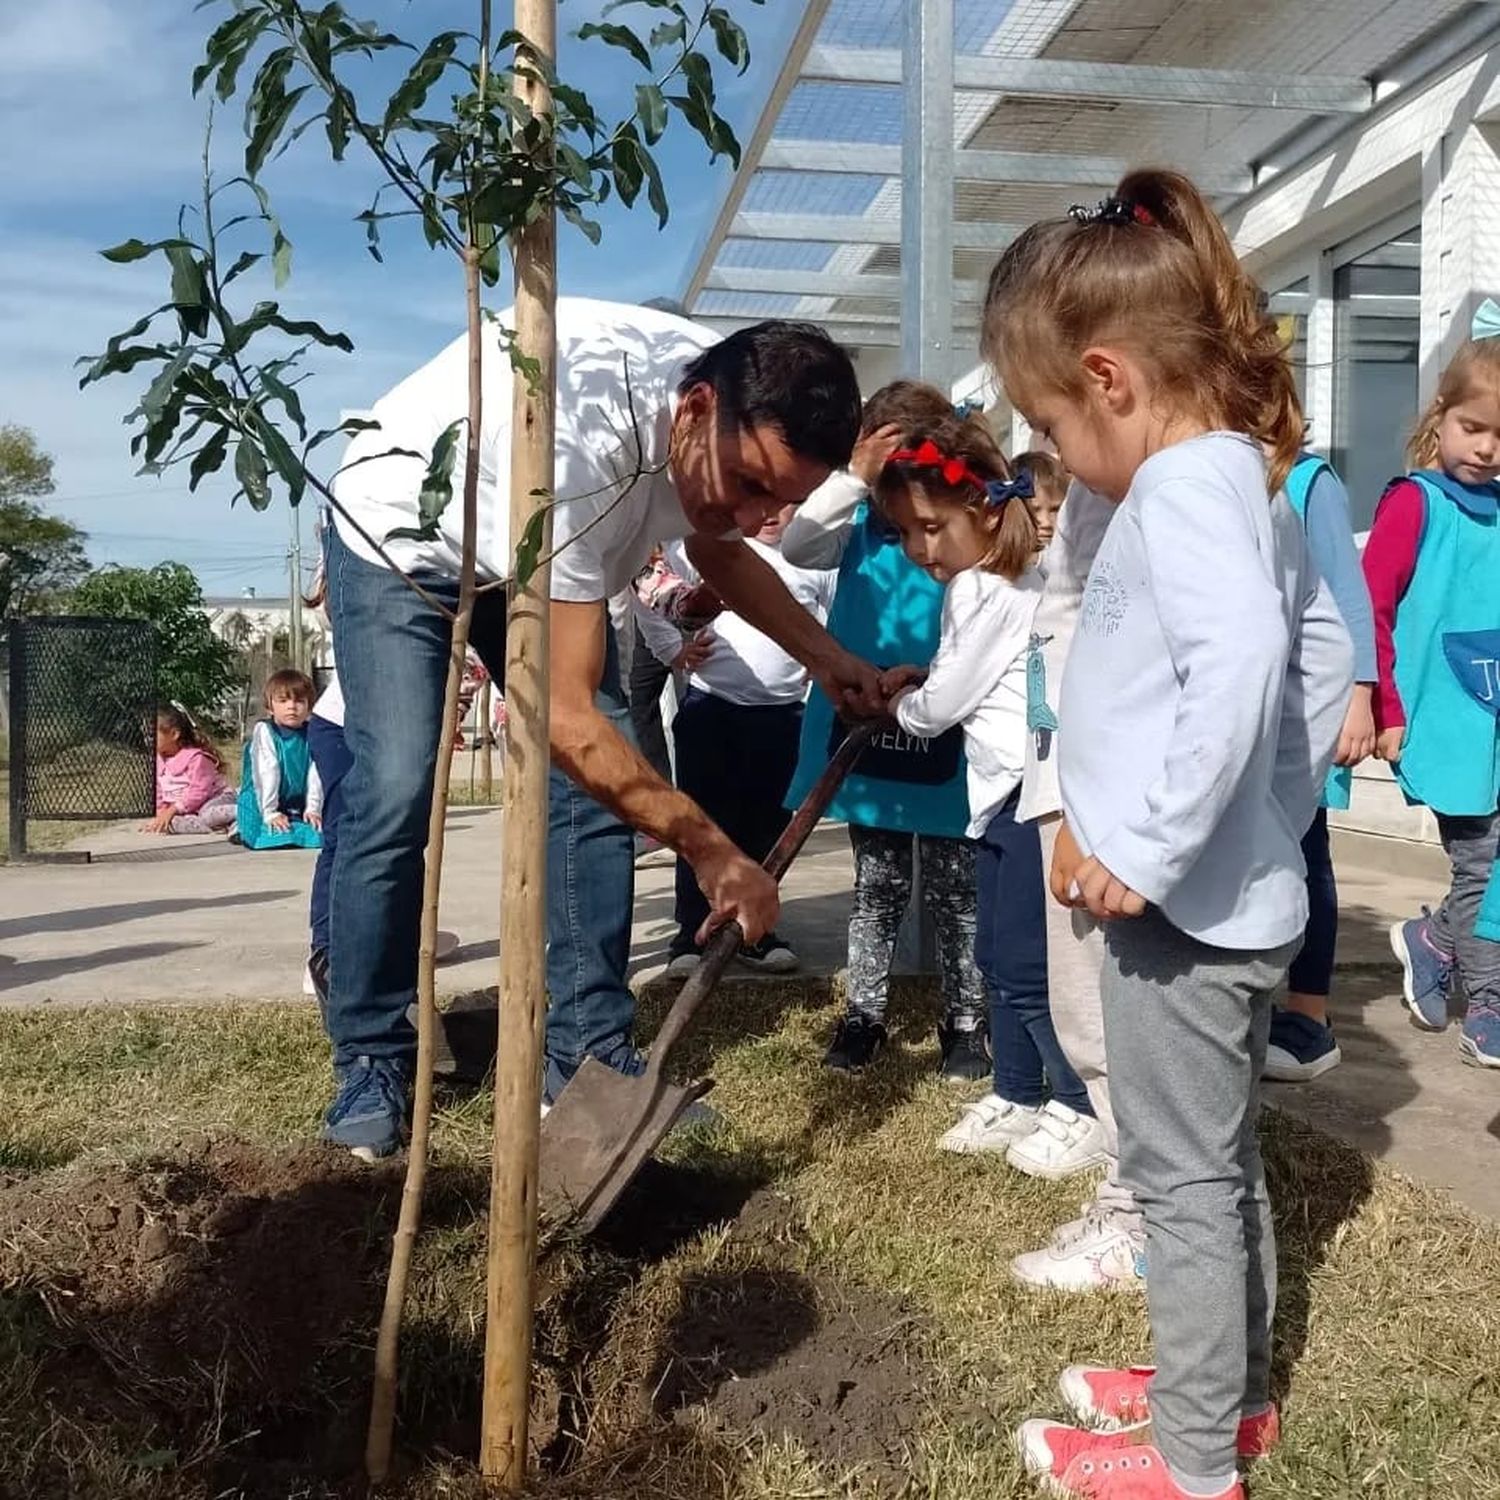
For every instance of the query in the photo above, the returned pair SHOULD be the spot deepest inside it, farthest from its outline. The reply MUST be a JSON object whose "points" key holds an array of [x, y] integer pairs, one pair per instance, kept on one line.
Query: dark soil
{"points": [[210, 1314]]}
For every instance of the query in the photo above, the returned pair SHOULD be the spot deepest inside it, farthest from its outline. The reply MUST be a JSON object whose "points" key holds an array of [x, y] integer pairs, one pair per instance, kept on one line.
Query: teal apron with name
{"points": [[1340, 783], [1447, 639], [294, 760], [889, 612]]}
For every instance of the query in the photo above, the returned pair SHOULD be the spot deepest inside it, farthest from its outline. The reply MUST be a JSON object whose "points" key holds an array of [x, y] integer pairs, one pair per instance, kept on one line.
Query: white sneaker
{"points": [[683, 965], [308, 987], [989, 1124], [1064, 1142], [1091, 1254]]}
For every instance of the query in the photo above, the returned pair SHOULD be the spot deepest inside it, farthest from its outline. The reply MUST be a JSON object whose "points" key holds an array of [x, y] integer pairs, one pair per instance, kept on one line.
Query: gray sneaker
{"points": [[369, 1115]]}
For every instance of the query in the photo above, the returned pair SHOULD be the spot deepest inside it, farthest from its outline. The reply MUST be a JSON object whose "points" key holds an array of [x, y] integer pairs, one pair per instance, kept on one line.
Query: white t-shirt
{"points": [[978, 679], [330, 704], [746, 666], [618, 369]]}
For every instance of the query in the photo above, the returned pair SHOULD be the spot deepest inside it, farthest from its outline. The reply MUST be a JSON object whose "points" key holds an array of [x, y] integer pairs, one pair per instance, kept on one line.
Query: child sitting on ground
{"points": [[192, 795], [904, 802], [281, 796], [1432, 562], [1202, 700], [964, 521]]}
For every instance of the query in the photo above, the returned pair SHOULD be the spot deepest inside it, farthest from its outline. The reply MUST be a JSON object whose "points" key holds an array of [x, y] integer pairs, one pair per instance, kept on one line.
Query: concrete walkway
{"points": [[198, 921]]}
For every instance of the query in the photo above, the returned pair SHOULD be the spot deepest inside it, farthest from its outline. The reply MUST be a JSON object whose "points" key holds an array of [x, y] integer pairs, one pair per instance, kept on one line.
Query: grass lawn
{"points": [[183, 1318]]}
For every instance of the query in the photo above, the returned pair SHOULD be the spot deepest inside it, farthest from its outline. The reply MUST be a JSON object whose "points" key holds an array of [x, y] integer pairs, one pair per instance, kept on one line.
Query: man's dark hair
{"points": [[788, 376]]}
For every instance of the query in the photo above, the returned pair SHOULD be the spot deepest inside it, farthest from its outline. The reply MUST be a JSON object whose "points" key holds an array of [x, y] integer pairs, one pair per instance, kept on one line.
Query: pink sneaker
{"points": [[1132, 1471], [1116, 1401]]}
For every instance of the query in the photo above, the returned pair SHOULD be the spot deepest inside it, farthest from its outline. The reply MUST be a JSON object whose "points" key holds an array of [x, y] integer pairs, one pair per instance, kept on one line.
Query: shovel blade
{"points": [[598, 1135]]}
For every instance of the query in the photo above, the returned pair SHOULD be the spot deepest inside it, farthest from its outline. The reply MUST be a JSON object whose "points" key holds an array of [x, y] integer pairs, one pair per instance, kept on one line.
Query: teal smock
{"points": [[889, 612], [294, 760], [1488, 925], [1447, 640]]}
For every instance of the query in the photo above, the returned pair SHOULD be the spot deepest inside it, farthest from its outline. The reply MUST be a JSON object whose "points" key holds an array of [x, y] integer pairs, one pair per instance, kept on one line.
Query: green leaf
{"points": [[283, 460], [729, 38], [700, 76], [281, 257], [347, 428], [417, 84], [625, 162], [247, 259], [189, 290], [209, 459], [250, 470], [656, 193], [269, 125], [617, 36], [529, 548], [669, 34], [578, 220], [337, 126], [134, 249], [437, 486], [273, 384], [651, 110]]}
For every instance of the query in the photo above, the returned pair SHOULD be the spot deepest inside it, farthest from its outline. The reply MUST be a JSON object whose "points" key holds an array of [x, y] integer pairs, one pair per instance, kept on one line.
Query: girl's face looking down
{"points": [[939, 533], [1469, 438]]}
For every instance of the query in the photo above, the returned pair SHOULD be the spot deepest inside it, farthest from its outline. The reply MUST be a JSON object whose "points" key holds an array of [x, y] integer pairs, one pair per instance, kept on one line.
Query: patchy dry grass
{"points": [[1386, 1341]]}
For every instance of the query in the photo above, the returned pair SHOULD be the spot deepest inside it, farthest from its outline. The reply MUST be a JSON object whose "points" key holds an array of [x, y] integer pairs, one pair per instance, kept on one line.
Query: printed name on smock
{"points": [[900, 740]]}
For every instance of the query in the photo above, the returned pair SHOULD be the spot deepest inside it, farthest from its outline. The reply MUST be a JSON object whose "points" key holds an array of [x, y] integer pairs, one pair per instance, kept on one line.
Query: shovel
{"points": [[606, 1124]]}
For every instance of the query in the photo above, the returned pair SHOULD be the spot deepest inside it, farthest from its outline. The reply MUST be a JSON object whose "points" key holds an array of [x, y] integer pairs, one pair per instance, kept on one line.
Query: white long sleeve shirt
{"points": [[978, 679], [1203, 696], [618, 369], [265, 773], [818, 532]]}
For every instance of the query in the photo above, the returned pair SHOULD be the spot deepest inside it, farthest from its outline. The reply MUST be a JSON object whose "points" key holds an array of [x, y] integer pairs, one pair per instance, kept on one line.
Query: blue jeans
{"points": [[393, 653], [330, 754], [1312, 969], [1010, 947]]}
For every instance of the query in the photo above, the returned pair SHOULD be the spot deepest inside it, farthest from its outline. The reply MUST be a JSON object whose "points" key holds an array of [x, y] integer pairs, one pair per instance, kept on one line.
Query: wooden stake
{"points": [[487, 741], [523, 890]]}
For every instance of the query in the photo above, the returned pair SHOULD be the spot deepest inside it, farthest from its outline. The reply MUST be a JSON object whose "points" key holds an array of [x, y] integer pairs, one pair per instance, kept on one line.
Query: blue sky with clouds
{"points": [[102, 140]]}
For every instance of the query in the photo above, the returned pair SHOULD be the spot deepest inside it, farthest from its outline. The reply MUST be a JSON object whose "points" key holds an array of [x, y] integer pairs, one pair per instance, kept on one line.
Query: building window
{"points": [[1376, 294]]}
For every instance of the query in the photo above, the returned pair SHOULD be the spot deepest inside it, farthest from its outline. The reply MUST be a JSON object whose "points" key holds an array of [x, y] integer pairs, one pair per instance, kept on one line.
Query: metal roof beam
{"points": [[986, 166], [966, 317], [860, 335], [822, 284], [851, 229], [1061, 78]]}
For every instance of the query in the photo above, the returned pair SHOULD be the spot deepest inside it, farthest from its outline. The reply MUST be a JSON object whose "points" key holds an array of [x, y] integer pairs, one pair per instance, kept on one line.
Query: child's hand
{"points": [[1066, 858], [872, 451], [1357, 737], [161, 823], [1389, 742], [315, 821], [279, 823], [696, 603], [1104, 895], [898, 679], [695, 651]]}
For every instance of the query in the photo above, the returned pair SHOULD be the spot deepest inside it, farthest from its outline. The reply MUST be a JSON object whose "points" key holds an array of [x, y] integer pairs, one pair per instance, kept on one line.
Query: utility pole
{"points": [[294, 567]]}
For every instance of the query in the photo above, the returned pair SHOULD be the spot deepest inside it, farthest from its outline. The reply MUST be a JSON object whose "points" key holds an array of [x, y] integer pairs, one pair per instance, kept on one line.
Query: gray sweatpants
{"points": [[1470, 844], [1186, 1026], [1075, 959]]}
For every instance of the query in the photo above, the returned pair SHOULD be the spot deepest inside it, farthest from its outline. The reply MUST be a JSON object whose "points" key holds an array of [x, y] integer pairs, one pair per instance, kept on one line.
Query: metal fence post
{"points": [[17, 739]]}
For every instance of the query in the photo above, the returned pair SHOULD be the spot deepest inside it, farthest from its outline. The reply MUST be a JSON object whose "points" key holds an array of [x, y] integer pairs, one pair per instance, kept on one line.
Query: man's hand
{"points": [[738, 890], [1105, 896], [696, 603], [161, 823], [695, 651], [896, 679], [1357, 737], [1389, 742], [279, 823], [852, 685], [1066, 858], [872, 451]]}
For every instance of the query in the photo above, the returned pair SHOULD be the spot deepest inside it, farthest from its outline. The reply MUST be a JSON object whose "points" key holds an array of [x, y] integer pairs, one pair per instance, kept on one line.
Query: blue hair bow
{"points": [[1486, 324], [971, 407], [998, 491]]}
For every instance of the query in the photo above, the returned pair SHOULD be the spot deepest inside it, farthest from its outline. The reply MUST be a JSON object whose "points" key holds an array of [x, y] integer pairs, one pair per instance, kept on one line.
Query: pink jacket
{"points": [[188, 779]]}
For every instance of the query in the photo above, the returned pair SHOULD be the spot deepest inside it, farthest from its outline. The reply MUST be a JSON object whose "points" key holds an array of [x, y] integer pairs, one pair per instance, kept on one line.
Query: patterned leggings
{"points": [[882, 892], [215, 816]]}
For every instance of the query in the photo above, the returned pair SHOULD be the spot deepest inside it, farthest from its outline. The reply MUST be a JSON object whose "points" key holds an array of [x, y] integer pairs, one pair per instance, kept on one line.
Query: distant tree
{"points": [[193, 666], [41, 556]]}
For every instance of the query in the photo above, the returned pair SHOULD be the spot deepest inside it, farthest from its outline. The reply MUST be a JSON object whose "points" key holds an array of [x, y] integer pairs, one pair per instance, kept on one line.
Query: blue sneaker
{"points": [[1425, 972], [1301, 1048], [1480, 1042], [369, 1114]]}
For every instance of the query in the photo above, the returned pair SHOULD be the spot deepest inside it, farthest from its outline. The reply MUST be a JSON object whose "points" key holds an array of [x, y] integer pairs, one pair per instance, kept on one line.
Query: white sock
{"points": [[1201, 1488]]}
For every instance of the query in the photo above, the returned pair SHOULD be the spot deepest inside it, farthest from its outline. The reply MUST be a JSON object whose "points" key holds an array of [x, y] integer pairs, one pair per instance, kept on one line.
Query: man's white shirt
{"points": [[618, 370]]}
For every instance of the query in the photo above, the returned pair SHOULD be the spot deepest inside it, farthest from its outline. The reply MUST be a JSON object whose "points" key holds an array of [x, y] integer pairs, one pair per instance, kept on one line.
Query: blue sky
{"points": [[103, 139]]}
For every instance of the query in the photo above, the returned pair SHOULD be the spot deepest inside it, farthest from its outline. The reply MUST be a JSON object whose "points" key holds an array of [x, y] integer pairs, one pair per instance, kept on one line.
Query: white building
{"points": [[1353, 147]]}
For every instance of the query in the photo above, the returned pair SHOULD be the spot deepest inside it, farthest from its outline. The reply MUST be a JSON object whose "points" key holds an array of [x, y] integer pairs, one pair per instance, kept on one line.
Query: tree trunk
{"points": [[523, 898]]}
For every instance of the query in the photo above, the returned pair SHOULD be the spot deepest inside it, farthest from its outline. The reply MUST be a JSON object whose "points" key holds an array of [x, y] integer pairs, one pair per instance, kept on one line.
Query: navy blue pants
{"points": [[330, 754], [1312, 969], [736, 762], [1010, 948]]}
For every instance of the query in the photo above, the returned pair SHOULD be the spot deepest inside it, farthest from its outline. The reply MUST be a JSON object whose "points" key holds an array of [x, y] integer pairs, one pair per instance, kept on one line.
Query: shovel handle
{"points": [[725, 943]]}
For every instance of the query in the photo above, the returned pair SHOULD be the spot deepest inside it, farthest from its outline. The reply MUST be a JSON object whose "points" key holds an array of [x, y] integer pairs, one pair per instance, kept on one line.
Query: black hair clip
{"points": [[998, 491], [1112, 211]]}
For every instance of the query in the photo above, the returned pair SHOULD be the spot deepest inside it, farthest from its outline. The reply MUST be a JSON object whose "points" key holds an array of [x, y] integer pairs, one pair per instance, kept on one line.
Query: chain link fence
{"points": [[82, 721]]}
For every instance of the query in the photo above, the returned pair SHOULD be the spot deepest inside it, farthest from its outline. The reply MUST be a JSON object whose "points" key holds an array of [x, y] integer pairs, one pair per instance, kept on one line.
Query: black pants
{"points": [[736, 763], [648, 680]]}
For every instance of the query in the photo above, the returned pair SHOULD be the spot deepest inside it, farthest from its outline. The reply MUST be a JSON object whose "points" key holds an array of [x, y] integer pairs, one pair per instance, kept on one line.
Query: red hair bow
{"points": [[927, 455]]}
